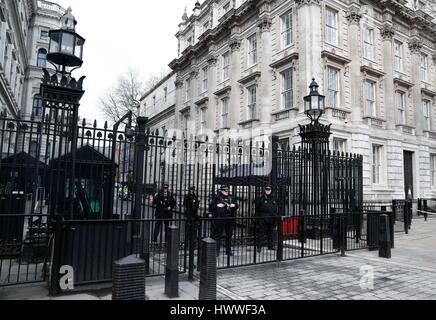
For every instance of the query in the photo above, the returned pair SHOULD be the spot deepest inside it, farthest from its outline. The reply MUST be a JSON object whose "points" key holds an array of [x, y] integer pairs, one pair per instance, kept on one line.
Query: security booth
{"points": [[94, 182], [21, 175]]}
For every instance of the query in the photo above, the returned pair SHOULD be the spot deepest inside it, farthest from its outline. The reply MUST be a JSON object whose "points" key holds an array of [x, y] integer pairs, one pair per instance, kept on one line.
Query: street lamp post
{"points": [[315, 140], [61, 95]]}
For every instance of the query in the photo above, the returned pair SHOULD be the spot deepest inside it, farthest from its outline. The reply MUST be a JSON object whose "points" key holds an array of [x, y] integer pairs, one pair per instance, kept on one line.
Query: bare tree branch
{"points": [[124, 96]]}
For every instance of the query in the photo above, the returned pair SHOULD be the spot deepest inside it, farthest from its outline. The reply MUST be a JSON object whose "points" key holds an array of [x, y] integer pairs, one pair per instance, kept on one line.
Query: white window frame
{"points": [[377, 153], [398, 56], [287, 35], [205, 79], [339, 145], [433, 169], [203, 119], [333, 87], [368, 43], [165, 94], [251, 102], [400, 101], [331, 28], [225, 113], [188, 90], [252, 50], [370, 101], [426, 111], [424, 67], [226, 65], [287, 91]]}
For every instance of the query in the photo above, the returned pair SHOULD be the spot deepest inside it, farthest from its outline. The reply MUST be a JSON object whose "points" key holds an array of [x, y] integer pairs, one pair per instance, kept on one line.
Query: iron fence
{"points": [[427, 208]]}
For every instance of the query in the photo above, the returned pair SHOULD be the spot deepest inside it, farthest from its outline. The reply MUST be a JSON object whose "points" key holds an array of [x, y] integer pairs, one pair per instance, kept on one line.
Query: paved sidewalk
{"points": [[409, 275]]}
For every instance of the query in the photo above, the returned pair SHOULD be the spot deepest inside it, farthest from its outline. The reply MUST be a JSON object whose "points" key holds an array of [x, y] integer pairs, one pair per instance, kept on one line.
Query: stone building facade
{"points": [[24, 43], [246, 65]]}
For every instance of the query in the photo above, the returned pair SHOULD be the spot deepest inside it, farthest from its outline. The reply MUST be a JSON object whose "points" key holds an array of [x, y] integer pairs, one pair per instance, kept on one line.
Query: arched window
{"points": [[37, 106], [42, 58]]}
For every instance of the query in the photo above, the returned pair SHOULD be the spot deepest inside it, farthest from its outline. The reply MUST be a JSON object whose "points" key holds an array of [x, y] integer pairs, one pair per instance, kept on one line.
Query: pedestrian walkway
{"points": [[409, 275]]}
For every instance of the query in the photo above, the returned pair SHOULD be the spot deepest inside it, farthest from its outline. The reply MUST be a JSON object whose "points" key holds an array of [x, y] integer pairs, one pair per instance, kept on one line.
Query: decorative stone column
{"points": [[309, 42], [213, 107], [265, 92], [353, 17], [235, 75], [415, 46], [179, 99], [387, 33]]}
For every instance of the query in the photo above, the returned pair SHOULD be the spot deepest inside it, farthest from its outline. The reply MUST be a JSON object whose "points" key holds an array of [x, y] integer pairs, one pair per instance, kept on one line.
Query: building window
{"points": [[188, 90], [225, 113], [252, 102], [376, 164], [33, 149], [401, 107], [44, 35], [287, 36], [368, 43], [42, 58], [37, 106], [433, 169], [333, 87], [252, 50], [287, 89], [226, 66], [331, 26], [424, 67], [205, 80], [339, 145], [226, 8], [203, 119], [398, 60], [205, 26], [165, 94], [370, 103], [426, 114], [154, 101]]}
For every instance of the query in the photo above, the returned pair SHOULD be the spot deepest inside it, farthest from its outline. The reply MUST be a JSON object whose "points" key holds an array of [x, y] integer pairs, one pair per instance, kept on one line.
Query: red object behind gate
{"points": [[290, 226]]}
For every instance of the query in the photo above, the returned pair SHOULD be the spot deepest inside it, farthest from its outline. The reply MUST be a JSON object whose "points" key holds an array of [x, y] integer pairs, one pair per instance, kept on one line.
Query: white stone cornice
{"points": [[307, 2], [235, 44], [415, 45], [265, 24], [353, 16], [387, 32]]}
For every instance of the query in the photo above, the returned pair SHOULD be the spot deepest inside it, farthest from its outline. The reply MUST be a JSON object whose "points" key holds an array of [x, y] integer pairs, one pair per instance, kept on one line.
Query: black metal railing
{"points": [[427, 208]]}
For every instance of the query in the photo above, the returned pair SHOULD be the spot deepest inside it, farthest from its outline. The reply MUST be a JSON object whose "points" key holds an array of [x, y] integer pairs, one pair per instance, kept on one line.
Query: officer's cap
{"points": [[192, 189], [225, 188], [165, 186]]}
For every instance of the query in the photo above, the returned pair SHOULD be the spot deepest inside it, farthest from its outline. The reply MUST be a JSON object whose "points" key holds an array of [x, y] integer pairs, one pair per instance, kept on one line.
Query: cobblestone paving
{"points": [[329, 278]]}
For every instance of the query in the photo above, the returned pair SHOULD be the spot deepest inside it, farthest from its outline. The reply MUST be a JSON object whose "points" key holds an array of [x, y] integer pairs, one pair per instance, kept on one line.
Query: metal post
{"points": [[208, 273], [192, 232], [343, 234], [384, 238], [172, 267], [280, 240], [129, 279], [54, 288]]}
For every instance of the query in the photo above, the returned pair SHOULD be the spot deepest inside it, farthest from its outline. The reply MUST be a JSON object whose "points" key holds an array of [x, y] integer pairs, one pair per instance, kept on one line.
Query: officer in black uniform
{"points": [[165, 204], [266, 218], [223, 209], [191, 204]]}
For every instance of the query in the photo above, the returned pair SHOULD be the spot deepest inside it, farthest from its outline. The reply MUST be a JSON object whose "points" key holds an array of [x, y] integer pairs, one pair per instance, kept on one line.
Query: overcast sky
{"points": [[120, 34]]}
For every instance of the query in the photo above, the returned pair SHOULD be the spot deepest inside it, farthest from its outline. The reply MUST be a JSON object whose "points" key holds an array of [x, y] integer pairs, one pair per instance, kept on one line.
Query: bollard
{"points": [[208, 272], [129, 279], [172, 268], [385, 238]]}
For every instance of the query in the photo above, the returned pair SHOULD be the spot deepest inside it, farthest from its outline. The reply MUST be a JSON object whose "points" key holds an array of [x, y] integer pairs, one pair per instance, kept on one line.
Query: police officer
{"points": [[266, 218], [191, 205], [223, 209], [165, 204]]}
